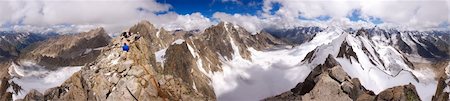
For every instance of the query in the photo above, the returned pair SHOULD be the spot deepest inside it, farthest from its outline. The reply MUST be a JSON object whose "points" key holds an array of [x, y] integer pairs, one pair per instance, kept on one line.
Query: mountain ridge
{"points": [[181, 65]]}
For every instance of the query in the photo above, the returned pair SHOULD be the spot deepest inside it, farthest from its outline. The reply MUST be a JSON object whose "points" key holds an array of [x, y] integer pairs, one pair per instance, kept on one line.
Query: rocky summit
{"points": [[224, 50], [161, 65], [226, 62]]}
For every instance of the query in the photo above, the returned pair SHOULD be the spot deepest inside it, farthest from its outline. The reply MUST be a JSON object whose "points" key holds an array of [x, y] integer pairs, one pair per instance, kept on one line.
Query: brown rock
{"points": [[366, 97], [72, 89], [7, 96], [440, 95], [67, 50], [399, 93], [34, 95], [347, 87], [339, 74], [326, 89], [347, 51]]}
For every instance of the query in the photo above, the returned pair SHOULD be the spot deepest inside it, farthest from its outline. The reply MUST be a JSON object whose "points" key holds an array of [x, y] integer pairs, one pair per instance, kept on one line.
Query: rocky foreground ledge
{"points": [[329, 82]]}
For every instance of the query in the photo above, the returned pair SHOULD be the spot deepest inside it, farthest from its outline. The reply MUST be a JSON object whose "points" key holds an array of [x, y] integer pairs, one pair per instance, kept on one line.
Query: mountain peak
{"points": [[145, 24], [100, 31]]}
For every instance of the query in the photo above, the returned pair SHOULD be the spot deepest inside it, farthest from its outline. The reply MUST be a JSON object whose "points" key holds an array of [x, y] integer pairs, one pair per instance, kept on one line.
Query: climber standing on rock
{"points": [[125, 47], [127, 39], [126, 44]]}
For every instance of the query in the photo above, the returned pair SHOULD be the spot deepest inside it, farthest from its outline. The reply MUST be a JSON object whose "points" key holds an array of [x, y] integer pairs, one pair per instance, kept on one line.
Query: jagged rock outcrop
{"points": [[399, 93], [440, 95], [67, 50], [402, 45], [347, 51], [426, 44], [7, 50], [218, 39], [140, 75], [222, 40], [296, 35], [329, 81], [113, 76], [34, 95], [326, 89], [181, 72], [157, 38], [72, 89], [12, 43], [4, 82]]}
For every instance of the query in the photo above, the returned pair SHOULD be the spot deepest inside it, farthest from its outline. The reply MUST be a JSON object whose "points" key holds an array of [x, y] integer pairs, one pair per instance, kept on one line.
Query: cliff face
{"points": [[12, 43], [37, 60], [4, 84], [67, 50]]}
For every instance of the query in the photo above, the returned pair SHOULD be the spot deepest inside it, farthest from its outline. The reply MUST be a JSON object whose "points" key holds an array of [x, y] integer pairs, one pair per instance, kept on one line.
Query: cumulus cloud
{"points": [[411, 13], [173, 21], [117, 15], [310, 9], [76, 11], [255, 24], [402, 14], [61, 29], [114, 15], [250, 23]]}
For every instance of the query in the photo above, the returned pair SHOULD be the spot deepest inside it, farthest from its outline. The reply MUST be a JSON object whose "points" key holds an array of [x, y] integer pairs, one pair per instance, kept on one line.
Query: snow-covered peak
{"points": [[320, 53], [375, 61]]}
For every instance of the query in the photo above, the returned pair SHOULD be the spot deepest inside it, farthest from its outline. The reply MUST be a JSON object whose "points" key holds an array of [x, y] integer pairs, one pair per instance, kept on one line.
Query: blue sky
{"points": [[246, 7], [209, 7]]}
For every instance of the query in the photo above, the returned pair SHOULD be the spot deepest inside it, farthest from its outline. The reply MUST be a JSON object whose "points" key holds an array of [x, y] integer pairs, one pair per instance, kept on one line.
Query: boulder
{"points": [[326, 89], [366, 97], [399, 93], [338, 74], [34, 95]]}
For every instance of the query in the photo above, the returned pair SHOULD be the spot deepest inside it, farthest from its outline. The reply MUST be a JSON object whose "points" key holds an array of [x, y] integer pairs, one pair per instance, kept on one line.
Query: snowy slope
{"points": [[268, 73], [377, 64], [30, 76]]}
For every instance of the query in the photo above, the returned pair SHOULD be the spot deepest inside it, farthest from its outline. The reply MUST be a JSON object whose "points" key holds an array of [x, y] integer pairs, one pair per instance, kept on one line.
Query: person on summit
{"points": [[125, 47], [125, 34]]}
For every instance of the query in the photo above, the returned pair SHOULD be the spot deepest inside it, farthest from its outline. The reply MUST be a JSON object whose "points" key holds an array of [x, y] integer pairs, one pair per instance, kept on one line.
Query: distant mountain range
{"points": [[226, 62]]}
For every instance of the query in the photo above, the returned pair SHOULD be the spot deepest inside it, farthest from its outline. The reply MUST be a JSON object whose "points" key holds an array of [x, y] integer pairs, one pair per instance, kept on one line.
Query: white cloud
{"points": [[250, 23], [311, 9], [77, 11], [117, 15], [255, 24], [173, 21], [411, 13], [114, 15], [61, 29], [234, 1], [402, 14]]}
